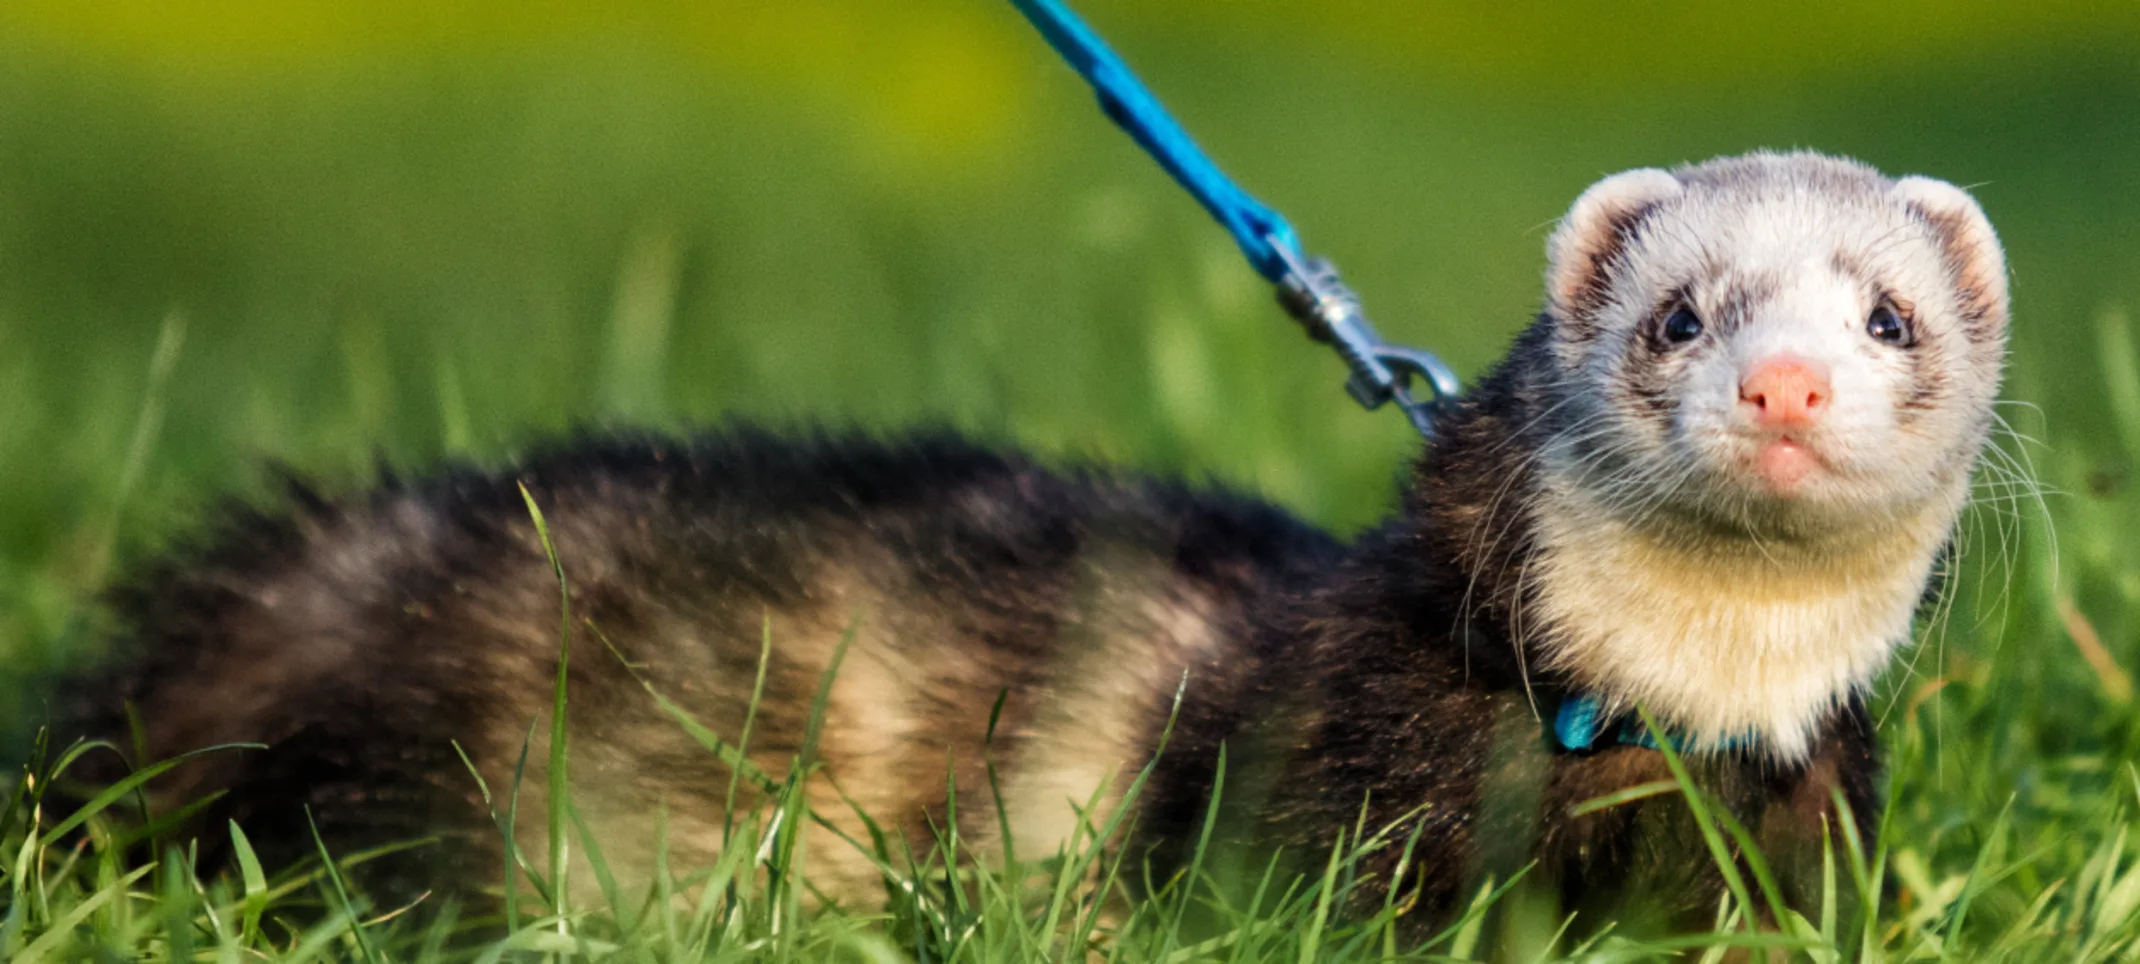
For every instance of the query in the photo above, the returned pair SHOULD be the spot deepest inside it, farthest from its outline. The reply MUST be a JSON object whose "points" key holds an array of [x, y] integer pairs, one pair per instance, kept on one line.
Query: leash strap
{"points": [[1309, 288]]}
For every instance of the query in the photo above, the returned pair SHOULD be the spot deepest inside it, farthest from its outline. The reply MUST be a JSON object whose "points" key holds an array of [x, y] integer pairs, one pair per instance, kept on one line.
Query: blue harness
{"points": [[1581, 722], [1580, 725]]}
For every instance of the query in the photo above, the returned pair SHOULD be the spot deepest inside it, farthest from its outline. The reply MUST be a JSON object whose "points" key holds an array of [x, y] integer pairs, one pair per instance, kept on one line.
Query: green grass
{"points": [[228, 237]]}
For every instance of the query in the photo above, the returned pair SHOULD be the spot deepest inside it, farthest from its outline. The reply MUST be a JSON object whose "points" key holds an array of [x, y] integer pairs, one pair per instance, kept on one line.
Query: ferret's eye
{"points": [[1681, 327], [1887, 327]]}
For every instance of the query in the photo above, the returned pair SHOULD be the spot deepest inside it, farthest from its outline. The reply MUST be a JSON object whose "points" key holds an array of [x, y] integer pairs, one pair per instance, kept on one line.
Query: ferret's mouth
{"points": [[1785, 464]]}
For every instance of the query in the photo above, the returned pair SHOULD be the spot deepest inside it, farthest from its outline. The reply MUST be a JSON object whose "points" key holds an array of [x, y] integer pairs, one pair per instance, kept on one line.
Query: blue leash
{"points": [[1309, 288]]}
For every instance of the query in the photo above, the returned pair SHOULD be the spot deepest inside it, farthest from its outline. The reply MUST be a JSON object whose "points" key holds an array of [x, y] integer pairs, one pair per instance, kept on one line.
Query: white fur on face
{"points": [[1671, 571]]}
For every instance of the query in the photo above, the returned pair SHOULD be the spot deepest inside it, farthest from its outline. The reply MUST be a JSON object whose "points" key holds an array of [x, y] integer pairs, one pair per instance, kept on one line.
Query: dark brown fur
{"points": [[358, 637]]}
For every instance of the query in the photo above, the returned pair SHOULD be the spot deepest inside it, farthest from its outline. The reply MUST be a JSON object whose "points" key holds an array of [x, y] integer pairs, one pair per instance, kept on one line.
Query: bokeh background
{"points": [[339, 234]]}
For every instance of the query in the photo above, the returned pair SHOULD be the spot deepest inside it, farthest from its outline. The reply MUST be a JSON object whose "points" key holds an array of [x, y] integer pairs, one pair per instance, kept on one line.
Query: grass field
{"points": [[337, 236]]}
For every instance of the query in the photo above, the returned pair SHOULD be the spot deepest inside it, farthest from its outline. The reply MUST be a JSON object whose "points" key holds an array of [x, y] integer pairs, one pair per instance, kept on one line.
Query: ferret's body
{"points": [[361, 639], [1713, 479]]}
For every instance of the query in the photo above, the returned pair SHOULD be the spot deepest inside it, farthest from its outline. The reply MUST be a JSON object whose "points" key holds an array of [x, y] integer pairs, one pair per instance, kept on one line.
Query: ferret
{"points": [[1712, 481]]}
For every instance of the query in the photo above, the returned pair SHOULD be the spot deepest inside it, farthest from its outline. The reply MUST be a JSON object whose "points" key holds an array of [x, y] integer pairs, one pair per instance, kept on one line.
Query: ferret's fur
{"points": [[1586, 525]]}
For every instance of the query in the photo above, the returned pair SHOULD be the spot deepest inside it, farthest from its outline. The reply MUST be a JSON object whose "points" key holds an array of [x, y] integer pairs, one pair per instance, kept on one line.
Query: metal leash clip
{"points": [[1315, 296], [1308, 287]]}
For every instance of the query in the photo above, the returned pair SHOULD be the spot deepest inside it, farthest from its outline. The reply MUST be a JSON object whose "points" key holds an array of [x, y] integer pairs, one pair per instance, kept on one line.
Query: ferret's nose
{"points": [[1785, 392]]}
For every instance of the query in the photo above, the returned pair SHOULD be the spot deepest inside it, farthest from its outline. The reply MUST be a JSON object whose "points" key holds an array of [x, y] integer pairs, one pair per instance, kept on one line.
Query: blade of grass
{"points": [[340, 892], [61, 933], [1640, 791], [1866, 914], [606, 881], [1726, 920], [177, 906], [995, 783], [1977, 880], [1196, 857], [664, 884], [116, 917], [558, 803], [279, 887], [1757, 863], [127, 784], [741, 767], [513, 857], [1311, 939], [730, 755], [148, 425], [750, 717], [1700, 809], [1828, 885], [1088, 923], [782, 858], [207, 897], [1464, 934], [313, 943], [256, 889], [18, 907], [1391, 910], [1074, 869], [1247, 948], [163, 823], [1749, 940], [947, 840], [20, 802], [436, 935]]}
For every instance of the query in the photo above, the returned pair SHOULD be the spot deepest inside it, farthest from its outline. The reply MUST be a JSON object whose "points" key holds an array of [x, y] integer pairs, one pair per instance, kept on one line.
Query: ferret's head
{"points": [[1779, 344]]}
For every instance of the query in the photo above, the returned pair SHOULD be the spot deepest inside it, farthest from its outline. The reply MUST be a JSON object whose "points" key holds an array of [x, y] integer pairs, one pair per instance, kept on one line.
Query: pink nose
{"points": [[1786, 392]]}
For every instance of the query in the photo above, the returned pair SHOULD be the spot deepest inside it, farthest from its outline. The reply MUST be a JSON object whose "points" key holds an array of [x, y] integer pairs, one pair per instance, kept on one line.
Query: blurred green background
{"points": [[401, 231]]}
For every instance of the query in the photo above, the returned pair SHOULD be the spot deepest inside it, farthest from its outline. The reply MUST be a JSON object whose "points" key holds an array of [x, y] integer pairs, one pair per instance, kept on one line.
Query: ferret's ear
{"points": [[1974, 260], [1593, 232]]}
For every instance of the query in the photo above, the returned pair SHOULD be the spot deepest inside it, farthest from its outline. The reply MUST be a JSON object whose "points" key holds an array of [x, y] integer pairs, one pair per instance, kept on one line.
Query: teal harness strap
{"points": [[1308, 287], [1580, 724]]}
